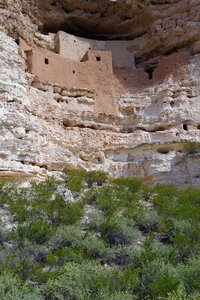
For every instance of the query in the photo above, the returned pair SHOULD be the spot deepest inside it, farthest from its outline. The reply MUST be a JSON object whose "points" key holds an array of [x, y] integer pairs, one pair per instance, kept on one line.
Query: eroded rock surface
{"points": [[41, 134]]}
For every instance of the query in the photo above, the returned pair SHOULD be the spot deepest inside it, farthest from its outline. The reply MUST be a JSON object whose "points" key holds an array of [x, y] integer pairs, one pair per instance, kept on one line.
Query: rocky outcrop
{"points": [[41, 134]]}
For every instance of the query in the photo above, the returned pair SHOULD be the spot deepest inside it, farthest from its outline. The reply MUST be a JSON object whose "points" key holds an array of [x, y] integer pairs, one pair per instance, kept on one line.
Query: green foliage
{"points": [[122, 255], [11, 288], [116, 200], [191, 147], [190, 274], [38, 231], [77, 179], [98, 177], [66, 236], [76, 277], [104, 294], [84, 242], [118, 232], [118, 239], [159, 279], [61, 256], [180, 294], [132, 184]]}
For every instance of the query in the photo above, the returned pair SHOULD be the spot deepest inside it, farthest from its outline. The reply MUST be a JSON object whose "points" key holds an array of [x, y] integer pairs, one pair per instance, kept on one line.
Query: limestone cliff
{"points": [[40, 135]]}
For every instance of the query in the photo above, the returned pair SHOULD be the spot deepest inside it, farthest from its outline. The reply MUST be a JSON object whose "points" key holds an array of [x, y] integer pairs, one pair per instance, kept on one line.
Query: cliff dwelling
{"points": [[104, 70]]}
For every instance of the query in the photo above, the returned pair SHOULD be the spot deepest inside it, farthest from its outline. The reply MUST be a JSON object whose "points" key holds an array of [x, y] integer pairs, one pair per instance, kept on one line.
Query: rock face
{"points": [[41, 133]]}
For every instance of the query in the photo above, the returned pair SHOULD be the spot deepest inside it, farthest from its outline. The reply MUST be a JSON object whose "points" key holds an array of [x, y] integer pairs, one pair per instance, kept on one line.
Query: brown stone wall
{"points": [[95, 73], [129, 80], [170, 64], [73, 47]]}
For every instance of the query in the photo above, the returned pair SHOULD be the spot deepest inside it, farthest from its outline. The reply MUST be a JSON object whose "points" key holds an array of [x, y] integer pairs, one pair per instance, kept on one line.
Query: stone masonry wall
{"points": [[96, 70], [95, 74], [74, 47]]}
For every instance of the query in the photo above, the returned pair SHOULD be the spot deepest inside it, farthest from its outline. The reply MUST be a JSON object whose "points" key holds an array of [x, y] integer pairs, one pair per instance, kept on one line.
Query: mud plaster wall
{"points": [[130, 80], [72, 47], [92, 74], [127, 76], [94, 69], [171, 64]]}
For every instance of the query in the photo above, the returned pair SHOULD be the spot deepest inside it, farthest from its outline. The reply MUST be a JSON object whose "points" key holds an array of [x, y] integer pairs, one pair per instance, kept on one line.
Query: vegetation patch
{"points": [[191, 147], [111, 239]]}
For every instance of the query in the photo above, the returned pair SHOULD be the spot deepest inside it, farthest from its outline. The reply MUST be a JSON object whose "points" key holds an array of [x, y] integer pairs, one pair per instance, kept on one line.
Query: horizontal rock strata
{"points": [[46, 127]]}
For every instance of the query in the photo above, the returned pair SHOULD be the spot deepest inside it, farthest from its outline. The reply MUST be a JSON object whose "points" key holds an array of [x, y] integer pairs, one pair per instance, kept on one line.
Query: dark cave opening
{"points": [[149, 70]]}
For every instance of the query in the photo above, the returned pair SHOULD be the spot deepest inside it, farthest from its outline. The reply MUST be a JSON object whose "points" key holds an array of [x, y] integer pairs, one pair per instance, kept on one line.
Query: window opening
{"points": [[185, 127], [149, 72]]}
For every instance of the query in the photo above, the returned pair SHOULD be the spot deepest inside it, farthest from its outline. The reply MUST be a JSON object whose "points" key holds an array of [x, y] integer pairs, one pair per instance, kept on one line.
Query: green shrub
{"points": [[86, 281], [76, 179], [37, 231], [43, 191], [132, 184], [11, 288], [98, 177], [18, 262], [57, 252], [94, 220], [8, 193], [66, 236], [104, 294], [190, 275], [71, 236], [37, 253], [159, 279], [59, 212], [122, 255], [191, 147], [92, 245], [158, 251], [180, 294], [116, 199], [117, 231], [61, 256]]}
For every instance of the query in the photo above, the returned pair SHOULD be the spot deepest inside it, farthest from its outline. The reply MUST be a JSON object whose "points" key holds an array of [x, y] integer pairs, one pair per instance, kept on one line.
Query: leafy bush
{"points": [[132, 184], [61, 256], [38, 231], [98, 177], [119, 232], [116, 199], [122, 255], [191, 147], [76, 179], [190, 275], [59, 212], [66, 236], [159, 279], [86, 281], [12, 288], [121, 240], [70, 236], [104, 294], [180, 294]]}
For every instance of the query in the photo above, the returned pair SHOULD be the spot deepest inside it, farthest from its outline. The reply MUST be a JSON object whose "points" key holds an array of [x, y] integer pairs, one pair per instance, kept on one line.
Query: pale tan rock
{"points": [[42, 131]]}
